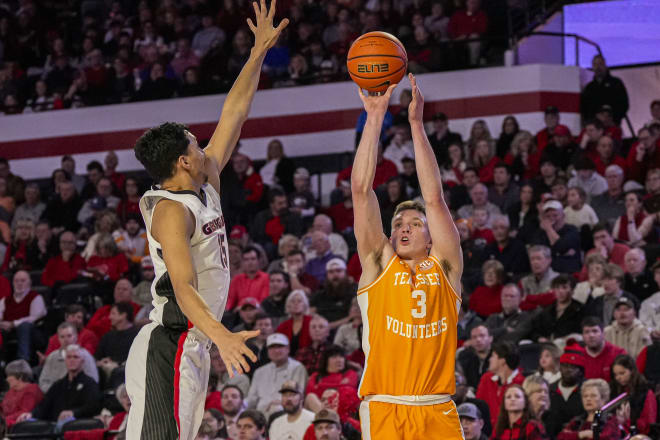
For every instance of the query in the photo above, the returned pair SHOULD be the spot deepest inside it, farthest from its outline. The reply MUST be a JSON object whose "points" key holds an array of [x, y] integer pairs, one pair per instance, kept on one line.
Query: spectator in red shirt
{"points": [[87, 339], [251, 283], [485, 160], [333, 373], [595, 393], [605, 114], [600, 354], [642, 410], [502, 372], [65, 267], [270, 224], [341, 213], [551, 119], [467, 23], [644, 155], [604, 245], [605, 155], [249, 179], [486, 299], [312, 355], [588, 139], [385, 170], [515, 418], [130, 204], [118, 179], [5, 287], [296, 328], [23, 395], [100, 322], [108, 263], [295, 267], [22, 253]]}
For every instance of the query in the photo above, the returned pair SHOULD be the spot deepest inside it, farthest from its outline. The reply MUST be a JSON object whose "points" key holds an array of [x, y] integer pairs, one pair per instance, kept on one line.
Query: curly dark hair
{"points": [[159, 148]]}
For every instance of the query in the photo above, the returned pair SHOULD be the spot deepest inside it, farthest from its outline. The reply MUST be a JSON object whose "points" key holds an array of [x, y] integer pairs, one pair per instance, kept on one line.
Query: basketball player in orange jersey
{"points": [[408, 294]]}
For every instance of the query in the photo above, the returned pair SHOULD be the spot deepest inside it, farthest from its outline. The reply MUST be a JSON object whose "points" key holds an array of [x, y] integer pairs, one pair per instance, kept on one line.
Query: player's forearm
{"points": [[239, 98], [197, 311], [428, 171], [366, 157]]}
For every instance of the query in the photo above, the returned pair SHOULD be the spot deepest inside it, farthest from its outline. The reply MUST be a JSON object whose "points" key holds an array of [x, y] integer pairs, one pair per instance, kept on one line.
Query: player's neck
{"points": [[180, 182], [413, 262]]}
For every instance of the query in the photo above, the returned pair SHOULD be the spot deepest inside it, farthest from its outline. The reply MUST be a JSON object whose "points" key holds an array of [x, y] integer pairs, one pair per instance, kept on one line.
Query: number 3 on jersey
{"points": [[420, 311], [223, 251]]}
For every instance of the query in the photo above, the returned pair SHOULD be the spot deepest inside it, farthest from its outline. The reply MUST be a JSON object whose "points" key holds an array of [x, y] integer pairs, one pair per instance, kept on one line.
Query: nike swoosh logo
{"points": [[448, 411]]}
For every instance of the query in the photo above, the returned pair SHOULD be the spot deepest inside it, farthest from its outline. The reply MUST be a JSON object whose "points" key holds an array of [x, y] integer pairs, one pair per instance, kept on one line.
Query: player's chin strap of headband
{"points": [[429, 399]]}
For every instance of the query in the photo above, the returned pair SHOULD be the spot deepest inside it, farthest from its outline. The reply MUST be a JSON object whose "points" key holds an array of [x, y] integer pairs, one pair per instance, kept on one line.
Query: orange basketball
{"points": [[376, 60]]}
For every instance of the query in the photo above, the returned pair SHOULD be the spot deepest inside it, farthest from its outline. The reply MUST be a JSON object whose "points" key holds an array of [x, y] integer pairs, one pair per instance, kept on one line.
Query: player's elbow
{"points": [[359, 184]]}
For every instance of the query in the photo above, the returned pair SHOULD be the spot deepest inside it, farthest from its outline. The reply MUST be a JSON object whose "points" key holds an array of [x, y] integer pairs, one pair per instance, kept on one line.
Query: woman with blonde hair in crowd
{"points": [[484, 160], [595, 394], [296, 328], [549, 363], [478, 131], [592, 287], [524, 157], [287, 243], [106, 223], [515, 420], [538, 394], [23, 251]]}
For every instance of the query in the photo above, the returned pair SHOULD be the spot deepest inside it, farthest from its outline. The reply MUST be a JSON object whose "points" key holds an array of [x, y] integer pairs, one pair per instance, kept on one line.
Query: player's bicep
{"points": [[212, 169], [368, 226], [172, 227], [445, 241]]}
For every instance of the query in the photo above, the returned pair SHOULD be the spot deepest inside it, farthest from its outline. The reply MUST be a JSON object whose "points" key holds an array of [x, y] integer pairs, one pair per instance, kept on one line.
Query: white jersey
{"points": [[208, 247]]}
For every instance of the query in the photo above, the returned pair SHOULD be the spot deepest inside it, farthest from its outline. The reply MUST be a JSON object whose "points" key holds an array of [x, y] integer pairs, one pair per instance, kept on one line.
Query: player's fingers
{"points": [[271, 11], [284, 23], [360, 93], [264, 10], [250, 334], [390, 90], [251, 25], [243, 363], [249, 353], [257, 12]]}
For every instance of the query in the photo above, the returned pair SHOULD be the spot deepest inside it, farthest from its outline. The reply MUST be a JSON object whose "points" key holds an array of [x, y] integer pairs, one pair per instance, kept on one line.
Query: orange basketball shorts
{"points": [[390, 421]]}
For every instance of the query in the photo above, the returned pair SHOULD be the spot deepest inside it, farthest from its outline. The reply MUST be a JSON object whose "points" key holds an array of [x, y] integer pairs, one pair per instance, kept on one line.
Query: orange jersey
{"points": [[409, 331]]}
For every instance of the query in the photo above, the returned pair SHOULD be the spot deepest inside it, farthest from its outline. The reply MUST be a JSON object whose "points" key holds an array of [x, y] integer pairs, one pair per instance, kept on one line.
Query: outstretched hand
{"points": [[265, 35], [416, 107], [376, 104], [233, 351]]}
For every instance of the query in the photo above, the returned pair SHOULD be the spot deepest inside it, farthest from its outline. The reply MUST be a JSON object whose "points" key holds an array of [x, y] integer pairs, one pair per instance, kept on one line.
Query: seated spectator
{"points": [[451, 171], [65, 267], [642, 409], [295, 420], [22, 253], [54, 367], [605, 115], [317, 265], [247, 311], [592, 287], [605, 246], [524, 157], [561, 318], [156, 85], [603, 306], [393, 194], [74, 396], [548, 174], [652, 183], [626, 331], [578, 212], [502, 372], [649, 312], [132, 240], [301, 200], [130, 203], [252, 283], [472, 422], [62, 209], [511, 324], [508, 250], [551, 119], [108, 264], [334, 298], [479, 198], [399, 147], [266, 326], [599, 353], [120, 419], [504, 193], [269, 225], [595, 393], [539, 281], [461, 396], [19, 312], [214, 422], [643, 155], [310, 356], [486, 299], [565, 398], [537, 392], [484, 160], [469, 23], [103, 221], [638, 278], [605, 155], [474, 358], [441, 141], [482, 234], [32, 208], [510, 128], [104, 190], [121, 83], [588, 138], [100, 322], [251, 424], [562, 239], [288, 243], [296, 328], [610, 204], [349, 335], [549, 363], [333, 372], [515, 420], [635, 227], [75, 314], [268, 379], [341, 212], [295, 267], [142, 292], [114, 346], [279, 288], [338, 244], [23, 395]]}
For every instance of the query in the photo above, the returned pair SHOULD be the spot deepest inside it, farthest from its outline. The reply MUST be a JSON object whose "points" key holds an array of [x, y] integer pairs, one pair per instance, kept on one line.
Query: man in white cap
{"points": [[333, 300], [471, 421], [264, 394], [295, 420], [562, 239]]}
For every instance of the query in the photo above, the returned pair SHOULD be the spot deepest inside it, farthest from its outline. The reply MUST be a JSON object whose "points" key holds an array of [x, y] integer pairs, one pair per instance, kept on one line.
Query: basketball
{"points": [[376, 60]]}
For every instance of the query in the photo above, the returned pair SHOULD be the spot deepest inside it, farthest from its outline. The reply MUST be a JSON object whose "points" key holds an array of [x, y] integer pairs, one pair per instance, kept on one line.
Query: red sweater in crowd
{"points": [[16, 402], [486, 300], [637, 169], [491, 391], [304, 339], [385, 170], [5, 287], [317, 386], [87, 339], [463, 24], [533, 430], [99, 324], [58, 270], [114, 267], [648, 416], [243, 286], [599, 366], [342, 216]]}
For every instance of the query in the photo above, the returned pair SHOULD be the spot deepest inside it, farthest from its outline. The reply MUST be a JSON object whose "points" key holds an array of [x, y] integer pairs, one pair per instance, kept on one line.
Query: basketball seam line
{"points": [[379, 77], [376, 55], [385, 38]]}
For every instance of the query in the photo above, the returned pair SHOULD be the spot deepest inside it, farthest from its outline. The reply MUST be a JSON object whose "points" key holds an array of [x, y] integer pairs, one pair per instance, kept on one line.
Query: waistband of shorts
{"points": [[203, 341], [427, 399]]}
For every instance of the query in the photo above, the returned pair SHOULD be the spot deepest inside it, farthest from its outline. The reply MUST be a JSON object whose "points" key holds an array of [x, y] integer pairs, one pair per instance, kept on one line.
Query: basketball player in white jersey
{"points": [[168, 366]]}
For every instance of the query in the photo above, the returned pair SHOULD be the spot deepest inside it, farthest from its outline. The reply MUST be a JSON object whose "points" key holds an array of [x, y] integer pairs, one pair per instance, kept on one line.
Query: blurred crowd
{"points": [[63, 54]]}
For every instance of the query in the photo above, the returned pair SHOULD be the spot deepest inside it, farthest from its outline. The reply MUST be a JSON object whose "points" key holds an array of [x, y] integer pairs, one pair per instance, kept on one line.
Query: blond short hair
{"points": [[602, 387], [409, 204]]}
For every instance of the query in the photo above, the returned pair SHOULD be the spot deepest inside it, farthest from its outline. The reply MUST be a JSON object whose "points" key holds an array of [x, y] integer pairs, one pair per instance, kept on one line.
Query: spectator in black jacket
{"points": [[638, 278], [565, 397], [75, 396], [442, 137], [561, 318], [562, 239], [114, 346], [603, 89], [62, 210], [511, 324], [509, 251], [603, 306], [474, 357]]}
